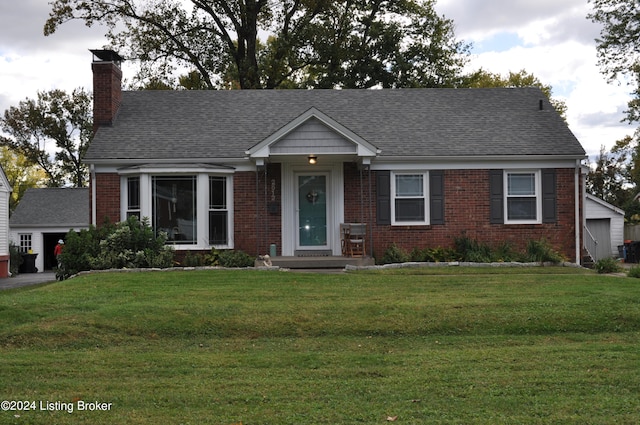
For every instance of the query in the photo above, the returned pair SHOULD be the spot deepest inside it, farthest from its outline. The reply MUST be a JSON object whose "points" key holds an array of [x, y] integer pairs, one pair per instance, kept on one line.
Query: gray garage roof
{"points": [[405, 122], [52, 207]]}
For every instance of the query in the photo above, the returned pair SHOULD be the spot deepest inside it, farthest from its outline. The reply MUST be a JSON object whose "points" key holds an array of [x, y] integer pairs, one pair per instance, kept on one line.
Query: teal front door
{"points": [[312, 211]]}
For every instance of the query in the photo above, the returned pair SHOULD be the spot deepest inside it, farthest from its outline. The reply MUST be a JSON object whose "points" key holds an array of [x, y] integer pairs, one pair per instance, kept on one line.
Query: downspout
{"points": [[92, 170], [578, 196]]}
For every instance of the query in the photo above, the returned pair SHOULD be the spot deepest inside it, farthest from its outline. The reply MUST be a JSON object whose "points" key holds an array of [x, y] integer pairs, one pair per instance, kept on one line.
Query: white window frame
{"points": [[129, 209], [538, 196], [26, 242], [424, 197], [212, 208], [202, 203]]}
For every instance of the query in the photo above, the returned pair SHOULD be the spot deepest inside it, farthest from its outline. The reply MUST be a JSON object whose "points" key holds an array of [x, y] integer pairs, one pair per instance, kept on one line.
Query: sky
{"points": [[551, 39]]}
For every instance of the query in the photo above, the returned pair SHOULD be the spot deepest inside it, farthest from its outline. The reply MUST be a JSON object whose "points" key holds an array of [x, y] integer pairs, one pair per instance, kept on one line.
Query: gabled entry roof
{"points": [[313, 132]]}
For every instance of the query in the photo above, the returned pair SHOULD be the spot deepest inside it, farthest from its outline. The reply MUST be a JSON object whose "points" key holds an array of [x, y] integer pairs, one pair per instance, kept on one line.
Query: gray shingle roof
{"points": [[52, 207], [407, 122]]}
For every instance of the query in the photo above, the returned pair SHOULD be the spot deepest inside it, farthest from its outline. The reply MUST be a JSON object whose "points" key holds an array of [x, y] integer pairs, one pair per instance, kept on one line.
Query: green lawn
{"points": [[437, 346]]}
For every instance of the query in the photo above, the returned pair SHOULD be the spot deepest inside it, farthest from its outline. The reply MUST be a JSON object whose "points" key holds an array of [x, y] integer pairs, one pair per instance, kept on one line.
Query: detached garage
{"points": [[605, 228], [44, 216]]}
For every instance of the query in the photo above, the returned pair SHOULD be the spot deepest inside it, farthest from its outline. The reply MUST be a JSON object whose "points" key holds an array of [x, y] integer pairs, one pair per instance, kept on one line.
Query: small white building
{"points": [[605, 225], [44, 216], [5, 194]]}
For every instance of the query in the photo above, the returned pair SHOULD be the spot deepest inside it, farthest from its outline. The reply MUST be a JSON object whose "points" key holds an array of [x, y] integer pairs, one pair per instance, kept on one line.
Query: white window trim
{"points": [[425, 193], [538, 196], [202, 205], [27, 238]]}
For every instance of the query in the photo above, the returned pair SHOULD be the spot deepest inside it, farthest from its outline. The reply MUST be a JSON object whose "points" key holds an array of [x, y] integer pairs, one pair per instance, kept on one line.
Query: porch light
{"points": [[313, 159]]}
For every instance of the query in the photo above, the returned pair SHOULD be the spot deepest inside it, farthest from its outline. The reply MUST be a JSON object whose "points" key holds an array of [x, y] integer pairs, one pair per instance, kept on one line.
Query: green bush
{"points": [[471, 250], [395, 254], [542, 252], [129, 244], [434, 255], [15, 260], [607, 265], [231, 258], [193, 260], [634, 272]]}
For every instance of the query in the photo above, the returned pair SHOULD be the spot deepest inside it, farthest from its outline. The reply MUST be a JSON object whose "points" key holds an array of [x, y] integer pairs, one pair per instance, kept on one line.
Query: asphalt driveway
{"points": [[26, 279]]}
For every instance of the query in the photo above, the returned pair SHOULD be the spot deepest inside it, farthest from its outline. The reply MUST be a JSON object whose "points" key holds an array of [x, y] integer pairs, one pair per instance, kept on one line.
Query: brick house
{"points": [[250, 169]]}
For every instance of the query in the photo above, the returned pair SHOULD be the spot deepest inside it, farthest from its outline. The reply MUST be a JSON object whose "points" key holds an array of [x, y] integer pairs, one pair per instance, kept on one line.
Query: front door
{"points": [[312, 207]]}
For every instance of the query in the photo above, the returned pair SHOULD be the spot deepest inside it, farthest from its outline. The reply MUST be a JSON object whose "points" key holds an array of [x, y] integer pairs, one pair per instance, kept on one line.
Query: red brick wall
{"points": [[258, 215], [467, 213], [107, 198], [257, 210]]}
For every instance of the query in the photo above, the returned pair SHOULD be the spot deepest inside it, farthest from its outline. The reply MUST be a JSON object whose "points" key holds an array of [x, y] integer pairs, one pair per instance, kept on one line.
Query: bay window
{"points": [[175, 208], [193, 209]]}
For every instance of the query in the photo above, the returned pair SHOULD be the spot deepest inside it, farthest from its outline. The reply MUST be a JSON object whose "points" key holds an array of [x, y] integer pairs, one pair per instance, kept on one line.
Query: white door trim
{"points": [[335, 203]]}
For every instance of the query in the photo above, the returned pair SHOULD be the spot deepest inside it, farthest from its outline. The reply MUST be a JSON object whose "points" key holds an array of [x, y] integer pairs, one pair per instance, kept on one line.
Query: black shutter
{"points": [[436, 195], [496, 196], [383, 203], [549, 209]]}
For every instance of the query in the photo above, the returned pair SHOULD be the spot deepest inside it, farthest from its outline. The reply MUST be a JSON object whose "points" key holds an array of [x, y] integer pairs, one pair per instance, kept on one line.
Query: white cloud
{"points": [[553, 40]]}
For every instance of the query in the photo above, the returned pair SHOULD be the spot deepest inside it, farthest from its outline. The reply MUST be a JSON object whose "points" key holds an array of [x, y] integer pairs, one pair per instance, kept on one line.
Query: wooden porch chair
{"points": [[352, 237]]}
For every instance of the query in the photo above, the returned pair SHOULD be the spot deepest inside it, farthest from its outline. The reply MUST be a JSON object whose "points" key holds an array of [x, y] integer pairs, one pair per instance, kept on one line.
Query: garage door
{"points": [[600, 228]]}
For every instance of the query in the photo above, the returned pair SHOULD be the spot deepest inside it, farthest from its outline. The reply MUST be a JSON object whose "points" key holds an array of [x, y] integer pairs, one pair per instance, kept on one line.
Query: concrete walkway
{"points": [[26, 279]]}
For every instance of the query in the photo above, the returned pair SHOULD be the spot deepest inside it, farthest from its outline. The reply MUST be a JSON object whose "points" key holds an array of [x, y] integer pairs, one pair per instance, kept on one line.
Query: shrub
{"points": [[212, 258], [473, 251], [395, 254], [131, 244], [506, 253], [541, 251], [193, 260], [15, 259], [607, 265], [634, 272], [231, 258]]}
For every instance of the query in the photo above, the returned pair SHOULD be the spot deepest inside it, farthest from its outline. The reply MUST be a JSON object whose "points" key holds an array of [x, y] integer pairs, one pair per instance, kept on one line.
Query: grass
{"points": [[536, 346]]}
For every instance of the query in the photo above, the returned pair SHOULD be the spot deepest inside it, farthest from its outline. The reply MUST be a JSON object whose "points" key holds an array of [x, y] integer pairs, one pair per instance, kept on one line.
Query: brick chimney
{"points": [[107, 87]]}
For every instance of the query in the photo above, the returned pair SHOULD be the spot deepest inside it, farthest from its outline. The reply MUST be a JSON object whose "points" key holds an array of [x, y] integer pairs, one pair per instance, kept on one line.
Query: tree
{"points": [[309, 43], [482, 78], [615, 176], [608, 177], [52, 131], [22, 175], [619, 45]]}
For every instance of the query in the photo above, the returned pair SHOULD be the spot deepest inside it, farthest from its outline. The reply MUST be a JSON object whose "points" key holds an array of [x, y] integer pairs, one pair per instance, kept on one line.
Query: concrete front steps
{"points": [[328, 262]]}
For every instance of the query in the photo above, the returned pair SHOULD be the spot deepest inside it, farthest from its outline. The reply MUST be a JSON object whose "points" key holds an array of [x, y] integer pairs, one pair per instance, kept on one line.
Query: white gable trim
{"points": [[604, 204], [363, 148]]}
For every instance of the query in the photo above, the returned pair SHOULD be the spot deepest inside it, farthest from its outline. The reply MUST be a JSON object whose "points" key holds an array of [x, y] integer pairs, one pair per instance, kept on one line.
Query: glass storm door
{"points": [[312, 211]]}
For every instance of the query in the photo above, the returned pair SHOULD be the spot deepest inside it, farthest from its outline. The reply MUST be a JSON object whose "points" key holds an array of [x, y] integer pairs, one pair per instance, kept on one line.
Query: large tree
{"points": [[52, 131], [619, 45], [22, 175], [275, 44]]}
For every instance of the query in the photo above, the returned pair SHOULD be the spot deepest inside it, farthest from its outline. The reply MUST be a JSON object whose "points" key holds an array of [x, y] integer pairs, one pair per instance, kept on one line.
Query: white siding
{"points": [[313, 137], [598, 209], [4, 223]]}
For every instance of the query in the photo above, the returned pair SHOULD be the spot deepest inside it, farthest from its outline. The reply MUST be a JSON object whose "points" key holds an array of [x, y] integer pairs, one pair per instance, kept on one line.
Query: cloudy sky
{"points": [[550, 38]]}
